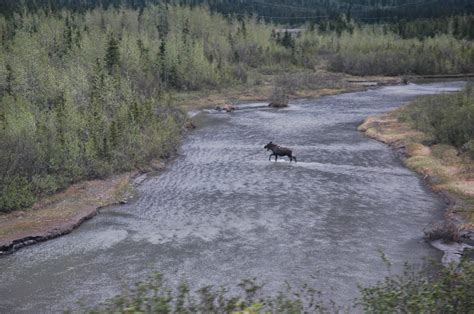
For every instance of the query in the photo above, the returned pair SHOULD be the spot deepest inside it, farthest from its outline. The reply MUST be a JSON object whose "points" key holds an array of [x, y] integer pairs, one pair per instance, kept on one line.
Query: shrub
{"points": [[154, 296], [449, 291], [433, 290], [446, 231], [16, 193], [449, 118]]}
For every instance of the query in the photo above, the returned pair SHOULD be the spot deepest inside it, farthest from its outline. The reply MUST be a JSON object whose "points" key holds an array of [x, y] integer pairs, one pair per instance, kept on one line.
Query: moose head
{"points": [[267, 147]]}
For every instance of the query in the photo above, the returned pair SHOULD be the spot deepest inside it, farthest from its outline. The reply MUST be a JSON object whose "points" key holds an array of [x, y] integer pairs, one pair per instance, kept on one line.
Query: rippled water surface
{"points": [[222, 212]]}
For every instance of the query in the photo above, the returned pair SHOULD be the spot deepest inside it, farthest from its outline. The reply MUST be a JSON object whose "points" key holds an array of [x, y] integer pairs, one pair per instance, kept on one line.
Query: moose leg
{"points": [[291, 158], [294, 158], [276, 157], [270, 157]]}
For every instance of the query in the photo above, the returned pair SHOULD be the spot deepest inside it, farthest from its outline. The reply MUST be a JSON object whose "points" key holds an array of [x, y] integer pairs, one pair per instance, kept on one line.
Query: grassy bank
{"points": [[435, 133]]}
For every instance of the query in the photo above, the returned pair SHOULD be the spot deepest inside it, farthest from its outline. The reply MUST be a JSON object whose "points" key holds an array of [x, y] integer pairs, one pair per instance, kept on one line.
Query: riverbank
{"points": [[299, 85], [446, 172], [59, 214]]}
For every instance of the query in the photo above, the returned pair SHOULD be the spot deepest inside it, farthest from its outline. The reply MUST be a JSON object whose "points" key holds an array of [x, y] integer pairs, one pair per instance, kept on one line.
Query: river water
{"points": [[222, 212]]}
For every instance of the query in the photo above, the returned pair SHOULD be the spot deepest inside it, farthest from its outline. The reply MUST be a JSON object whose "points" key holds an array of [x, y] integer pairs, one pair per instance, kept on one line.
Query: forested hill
{"points": [[368, 10], [286, 11]]}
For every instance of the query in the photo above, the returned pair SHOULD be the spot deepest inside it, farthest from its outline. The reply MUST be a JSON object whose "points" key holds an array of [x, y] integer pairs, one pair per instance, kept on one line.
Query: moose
{"points": [[279, 151]]}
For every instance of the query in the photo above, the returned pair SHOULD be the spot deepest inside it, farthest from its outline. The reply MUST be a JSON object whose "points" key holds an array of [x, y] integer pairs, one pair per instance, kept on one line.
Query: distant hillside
{"points": [[369, 10], [286, 11]]}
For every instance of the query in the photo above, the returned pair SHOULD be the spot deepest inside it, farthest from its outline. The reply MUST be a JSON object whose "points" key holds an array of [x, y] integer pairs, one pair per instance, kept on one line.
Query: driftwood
{"points": [[279, 98], [189, 125], [226, 108]]}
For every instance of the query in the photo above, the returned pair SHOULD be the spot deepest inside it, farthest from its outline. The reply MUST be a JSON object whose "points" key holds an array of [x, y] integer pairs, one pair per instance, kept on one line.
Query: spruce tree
{"points": [[186, 30], [97, 84], [9, 80], [287, 40], [61, 118], [162, 61], [163, 25], [114, 135], [68, 40], [242, 29], [112, 55]]}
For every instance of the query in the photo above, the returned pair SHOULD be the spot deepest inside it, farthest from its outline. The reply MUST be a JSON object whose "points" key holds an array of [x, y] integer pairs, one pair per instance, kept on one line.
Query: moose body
{"points": [[279, 151]]}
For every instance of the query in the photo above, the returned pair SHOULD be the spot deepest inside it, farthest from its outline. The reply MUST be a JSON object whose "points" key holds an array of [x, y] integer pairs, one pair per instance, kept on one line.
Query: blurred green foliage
{"points": [[435, 289]]}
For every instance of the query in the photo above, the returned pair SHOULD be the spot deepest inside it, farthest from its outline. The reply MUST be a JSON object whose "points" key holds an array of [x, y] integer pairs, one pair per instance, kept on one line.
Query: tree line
{"points": [[286, 11]]}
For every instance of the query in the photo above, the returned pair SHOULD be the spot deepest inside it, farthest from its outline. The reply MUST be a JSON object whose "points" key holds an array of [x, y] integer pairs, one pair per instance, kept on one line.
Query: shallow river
{"points": [[222, 212]]}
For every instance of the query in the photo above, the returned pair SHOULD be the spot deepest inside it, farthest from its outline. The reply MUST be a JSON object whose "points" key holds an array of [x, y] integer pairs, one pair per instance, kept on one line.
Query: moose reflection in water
{"points": [[279, 151]]}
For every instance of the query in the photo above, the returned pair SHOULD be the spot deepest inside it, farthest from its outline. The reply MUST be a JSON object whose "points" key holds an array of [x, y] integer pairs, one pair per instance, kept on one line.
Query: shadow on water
{"points": [[222, 212]]}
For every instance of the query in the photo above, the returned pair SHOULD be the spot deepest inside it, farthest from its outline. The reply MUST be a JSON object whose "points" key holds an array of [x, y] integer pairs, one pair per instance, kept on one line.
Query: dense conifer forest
{"points": [[286, 10]]}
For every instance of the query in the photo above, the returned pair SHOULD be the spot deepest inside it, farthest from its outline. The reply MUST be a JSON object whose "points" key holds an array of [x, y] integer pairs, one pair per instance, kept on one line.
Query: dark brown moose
{"points": [[279, 151]]}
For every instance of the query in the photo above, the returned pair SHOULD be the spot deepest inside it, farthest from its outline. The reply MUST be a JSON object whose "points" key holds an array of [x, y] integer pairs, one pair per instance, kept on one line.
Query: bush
{"points": [[449, 118], [153, 296], [449, 291], [469, 148], [45, 184], [446, 231], [16, 193]]}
